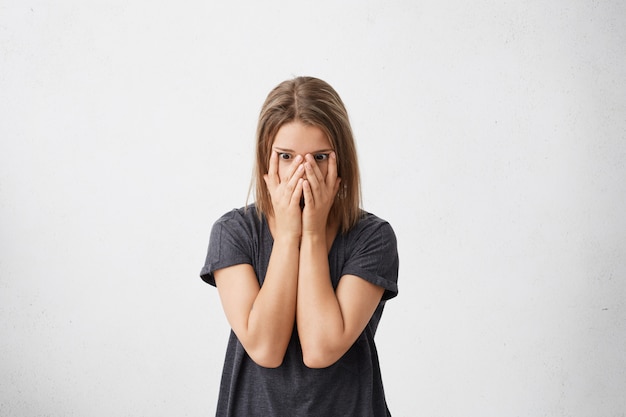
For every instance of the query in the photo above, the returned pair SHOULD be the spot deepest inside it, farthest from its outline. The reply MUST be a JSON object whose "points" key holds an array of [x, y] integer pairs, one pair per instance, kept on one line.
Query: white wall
{"points": [[491, 134]]}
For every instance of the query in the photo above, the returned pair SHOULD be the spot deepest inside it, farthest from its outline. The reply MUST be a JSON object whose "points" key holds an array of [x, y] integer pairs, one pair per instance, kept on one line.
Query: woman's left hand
{"points": [[319, 194]]}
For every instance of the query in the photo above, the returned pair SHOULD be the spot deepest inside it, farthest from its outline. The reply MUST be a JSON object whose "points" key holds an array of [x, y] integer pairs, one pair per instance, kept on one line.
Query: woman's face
{"points": [[297, 139]]}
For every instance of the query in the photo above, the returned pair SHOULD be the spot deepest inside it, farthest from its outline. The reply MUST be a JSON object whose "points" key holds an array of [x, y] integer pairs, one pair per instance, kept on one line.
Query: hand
{"points": [[285, 194], [319, 193]]}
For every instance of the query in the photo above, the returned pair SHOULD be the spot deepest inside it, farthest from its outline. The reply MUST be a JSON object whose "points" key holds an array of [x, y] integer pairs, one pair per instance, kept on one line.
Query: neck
{"points": [[332, 229]]}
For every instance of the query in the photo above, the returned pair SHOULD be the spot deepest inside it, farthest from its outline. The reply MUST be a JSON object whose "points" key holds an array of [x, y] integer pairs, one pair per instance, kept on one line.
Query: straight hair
{"points": [[312, 102]]}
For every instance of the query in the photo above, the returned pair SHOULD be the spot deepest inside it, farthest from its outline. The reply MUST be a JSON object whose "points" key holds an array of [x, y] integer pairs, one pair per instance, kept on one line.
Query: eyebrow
{"points": [[292, 151]]}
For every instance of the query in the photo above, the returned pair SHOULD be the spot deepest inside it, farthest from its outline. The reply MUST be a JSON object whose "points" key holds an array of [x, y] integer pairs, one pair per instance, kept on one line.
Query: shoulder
{"points": [[243, 220], [369, 227], [233, 239], [371, 220], [372, 253]]}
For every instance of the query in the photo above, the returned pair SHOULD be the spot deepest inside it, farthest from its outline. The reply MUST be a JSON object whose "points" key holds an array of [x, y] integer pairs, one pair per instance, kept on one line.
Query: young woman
{"points": [[303, 274]]}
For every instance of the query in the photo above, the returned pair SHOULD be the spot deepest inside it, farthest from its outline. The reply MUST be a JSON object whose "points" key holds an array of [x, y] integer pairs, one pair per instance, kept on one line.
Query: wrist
{"points": [[287, 239], [314, 235]]}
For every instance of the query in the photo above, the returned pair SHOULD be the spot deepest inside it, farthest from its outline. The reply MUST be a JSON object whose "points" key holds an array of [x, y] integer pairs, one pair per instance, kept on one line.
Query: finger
{"points": [[313, 181], [336, 187], [331, 174], [293, 168], [314, 168], [309, 200], [297, 192], [313, 173], [272, 174], [290, 187], [295, 177]]}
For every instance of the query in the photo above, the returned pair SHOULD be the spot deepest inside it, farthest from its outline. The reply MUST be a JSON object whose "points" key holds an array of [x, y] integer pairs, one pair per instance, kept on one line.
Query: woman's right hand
{"points": [[286, 193]]}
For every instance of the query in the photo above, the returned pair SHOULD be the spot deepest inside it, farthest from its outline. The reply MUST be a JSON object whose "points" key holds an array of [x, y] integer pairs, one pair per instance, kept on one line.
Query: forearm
{"points": [[319, 317], [272, 315]]}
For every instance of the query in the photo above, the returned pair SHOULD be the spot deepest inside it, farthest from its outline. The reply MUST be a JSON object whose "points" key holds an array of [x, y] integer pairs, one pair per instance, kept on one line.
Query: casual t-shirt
{"points": [[350, 387]]}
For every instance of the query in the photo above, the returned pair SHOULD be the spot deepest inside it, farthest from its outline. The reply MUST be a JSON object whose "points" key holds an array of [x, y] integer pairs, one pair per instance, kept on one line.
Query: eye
{"points": [[285, 156], [321, 157]]}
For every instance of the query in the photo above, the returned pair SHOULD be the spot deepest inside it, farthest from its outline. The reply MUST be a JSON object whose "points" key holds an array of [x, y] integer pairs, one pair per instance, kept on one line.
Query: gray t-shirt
{"points": [[350, 387]]}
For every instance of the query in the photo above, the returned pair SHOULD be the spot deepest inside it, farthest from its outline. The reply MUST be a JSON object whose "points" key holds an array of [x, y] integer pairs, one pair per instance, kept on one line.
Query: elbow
{"points": [[318, 358], [267, 358], [269, 363]]}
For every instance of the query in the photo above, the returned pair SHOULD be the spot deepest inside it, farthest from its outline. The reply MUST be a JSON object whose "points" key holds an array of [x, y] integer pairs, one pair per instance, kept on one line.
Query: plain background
{"points": [[491, 134]]}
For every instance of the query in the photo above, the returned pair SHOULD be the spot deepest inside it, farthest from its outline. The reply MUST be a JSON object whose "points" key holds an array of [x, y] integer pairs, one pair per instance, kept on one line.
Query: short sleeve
{"points": [[374, 256], [228, 246]]}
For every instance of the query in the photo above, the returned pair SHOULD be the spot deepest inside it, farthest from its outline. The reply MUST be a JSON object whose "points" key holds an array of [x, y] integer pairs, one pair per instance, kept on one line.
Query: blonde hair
{"points": [[313, 102]]}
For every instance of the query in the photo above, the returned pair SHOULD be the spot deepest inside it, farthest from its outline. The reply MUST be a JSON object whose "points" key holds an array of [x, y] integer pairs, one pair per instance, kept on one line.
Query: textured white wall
{"points": [[491, 134]]}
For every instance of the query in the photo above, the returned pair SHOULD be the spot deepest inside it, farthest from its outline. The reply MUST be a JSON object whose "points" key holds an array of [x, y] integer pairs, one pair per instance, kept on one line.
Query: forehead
{"points": [[301, 138]]}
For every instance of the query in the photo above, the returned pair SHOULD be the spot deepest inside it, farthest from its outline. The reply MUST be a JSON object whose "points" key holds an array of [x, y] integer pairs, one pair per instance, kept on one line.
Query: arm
{"points": [[263, 317], [328, 322]]}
